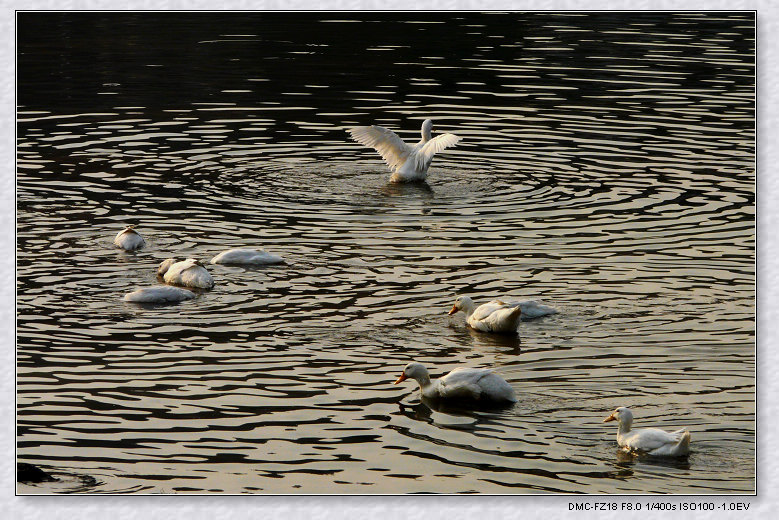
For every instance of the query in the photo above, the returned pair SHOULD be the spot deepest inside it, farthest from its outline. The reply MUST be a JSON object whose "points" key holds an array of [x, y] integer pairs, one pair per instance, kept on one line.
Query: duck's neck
{"points": [[624, 427], [427, 134], [468, 307], [424, 384]]}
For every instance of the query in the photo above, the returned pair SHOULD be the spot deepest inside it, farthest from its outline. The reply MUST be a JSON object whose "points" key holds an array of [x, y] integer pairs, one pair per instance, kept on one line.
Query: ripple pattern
{"points": [[607, 167]]}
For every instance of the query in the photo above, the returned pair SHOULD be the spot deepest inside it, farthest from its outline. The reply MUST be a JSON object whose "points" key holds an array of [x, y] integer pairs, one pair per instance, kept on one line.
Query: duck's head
{"points": [[415, 371], [461, 303], [621, 414], [165, 265]]}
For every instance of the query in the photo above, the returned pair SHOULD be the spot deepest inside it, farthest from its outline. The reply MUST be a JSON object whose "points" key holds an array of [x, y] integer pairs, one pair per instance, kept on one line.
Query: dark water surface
{"points": [[606, 168]]}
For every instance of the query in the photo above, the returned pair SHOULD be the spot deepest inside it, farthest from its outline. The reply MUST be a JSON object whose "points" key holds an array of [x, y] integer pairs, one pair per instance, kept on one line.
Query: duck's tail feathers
{"points": [[683, 446]]}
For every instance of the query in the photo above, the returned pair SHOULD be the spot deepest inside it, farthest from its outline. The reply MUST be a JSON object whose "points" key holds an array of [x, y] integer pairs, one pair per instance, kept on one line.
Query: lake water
{"points": [[606, 168]]}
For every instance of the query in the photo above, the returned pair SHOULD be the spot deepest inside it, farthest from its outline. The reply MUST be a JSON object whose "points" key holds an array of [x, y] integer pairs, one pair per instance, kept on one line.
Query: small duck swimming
{"points": [[468, 385], [159, 294], [246, 257], [129, 239], [189, 273], [497, 316], [651, 441]]}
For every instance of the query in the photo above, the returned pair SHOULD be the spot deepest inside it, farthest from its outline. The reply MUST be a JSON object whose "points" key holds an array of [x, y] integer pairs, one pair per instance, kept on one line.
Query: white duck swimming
{"points": [[159, 294], [407, 162], [189, 273], [461, 384], [129, 239], [651, 441], [497, 316], [246, 256]]}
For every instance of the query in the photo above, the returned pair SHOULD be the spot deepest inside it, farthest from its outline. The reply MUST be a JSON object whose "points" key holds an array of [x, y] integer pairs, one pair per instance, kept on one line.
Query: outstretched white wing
{"points": [[438, 143], [391, 147]]}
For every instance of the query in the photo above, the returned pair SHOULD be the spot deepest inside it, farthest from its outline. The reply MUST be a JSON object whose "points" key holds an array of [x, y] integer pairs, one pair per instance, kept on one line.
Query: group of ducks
{"points": [[185, 273], [475, 387], [478, 385], [481, 385]]}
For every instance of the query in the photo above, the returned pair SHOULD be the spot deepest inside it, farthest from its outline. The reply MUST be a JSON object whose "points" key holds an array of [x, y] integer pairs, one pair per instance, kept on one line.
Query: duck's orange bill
{"points": [[454, 309], [402, 378], [610, 418]]}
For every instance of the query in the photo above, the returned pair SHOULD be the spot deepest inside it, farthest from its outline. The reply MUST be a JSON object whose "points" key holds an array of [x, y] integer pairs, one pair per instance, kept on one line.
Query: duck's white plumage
{"points": [[165, 265], [532, 309], [651, 441], [129, 239], [407, 162], [246, 256], [159, 294], [189, 273], [461, 384], [498, 316]]}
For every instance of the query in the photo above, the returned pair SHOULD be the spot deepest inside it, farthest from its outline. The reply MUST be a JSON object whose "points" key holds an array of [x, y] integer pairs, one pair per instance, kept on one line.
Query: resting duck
{"points": [[129, 239], [461, 384], [651, 441], [407, 162], [246, 257], [159, 294], [189, 273], [497, 316]]}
